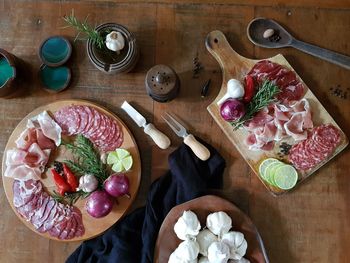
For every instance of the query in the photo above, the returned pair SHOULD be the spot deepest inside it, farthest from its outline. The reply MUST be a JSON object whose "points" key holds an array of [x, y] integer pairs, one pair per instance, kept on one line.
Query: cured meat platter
{"points": [[167, 240], [316, 149], [92, 226]]}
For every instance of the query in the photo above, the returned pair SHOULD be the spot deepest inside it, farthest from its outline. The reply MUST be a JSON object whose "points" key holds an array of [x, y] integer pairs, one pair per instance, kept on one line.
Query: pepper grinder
{"points": [[162, 83]]}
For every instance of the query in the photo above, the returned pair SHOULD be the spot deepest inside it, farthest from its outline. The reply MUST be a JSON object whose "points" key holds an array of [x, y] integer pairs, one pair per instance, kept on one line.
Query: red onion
{"points": [[232, 109], [99, 204], [117, 185]]}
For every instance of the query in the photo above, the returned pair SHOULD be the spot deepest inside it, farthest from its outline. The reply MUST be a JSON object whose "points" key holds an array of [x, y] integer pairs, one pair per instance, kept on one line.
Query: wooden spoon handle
{"points": [[330, 56], [198, 149]]}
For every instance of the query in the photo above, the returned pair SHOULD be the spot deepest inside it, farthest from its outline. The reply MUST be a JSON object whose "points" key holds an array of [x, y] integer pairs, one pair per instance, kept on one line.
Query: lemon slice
{"points": [[285, 177], [120, 159], [264, 164]]}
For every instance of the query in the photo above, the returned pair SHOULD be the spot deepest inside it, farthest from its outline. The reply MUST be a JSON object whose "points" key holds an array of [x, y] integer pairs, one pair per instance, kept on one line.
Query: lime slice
{"points": [[120, 159], [118, 167], [285, 177], [122, 153], [264, 164], [270, 170], [127, 163], [112, 158]]}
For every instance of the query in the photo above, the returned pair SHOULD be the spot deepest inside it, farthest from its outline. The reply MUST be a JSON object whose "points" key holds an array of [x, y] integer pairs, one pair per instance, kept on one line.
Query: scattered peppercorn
{"points": [[197, 67], [284, 148], [275, 37], [339, 92], [58, 167]]}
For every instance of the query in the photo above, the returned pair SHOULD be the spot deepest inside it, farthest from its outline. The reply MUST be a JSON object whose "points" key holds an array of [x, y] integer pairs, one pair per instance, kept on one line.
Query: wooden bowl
{"points": [[167, 240]]}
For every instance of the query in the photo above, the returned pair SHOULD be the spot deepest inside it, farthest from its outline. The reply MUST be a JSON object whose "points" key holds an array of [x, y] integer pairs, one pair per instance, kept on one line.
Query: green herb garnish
{"points": [[69, 198], [88, 159], [266, 95], [84, 27]]}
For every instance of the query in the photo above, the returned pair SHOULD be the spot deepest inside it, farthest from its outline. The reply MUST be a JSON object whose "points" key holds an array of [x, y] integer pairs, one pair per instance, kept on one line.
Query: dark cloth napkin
{"points": [[133, 238]]}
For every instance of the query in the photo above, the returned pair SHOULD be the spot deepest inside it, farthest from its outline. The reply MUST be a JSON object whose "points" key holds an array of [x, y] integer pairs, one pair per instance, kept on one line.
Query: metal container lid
{"points": [[162, 83]]}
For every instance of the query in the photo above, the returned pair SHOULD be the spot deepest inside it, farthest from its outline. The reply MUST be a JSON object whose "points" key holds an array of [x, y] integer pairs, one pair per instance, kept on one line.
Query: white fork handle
{"points": [[157, 136], [198, 149]]}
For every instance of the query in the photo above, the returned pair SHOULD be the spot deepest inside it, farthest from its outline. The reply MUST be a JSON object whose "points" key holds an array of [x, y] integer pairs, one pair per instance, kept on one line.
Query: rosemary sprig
{"points": [[84, 27], [88, 159], [266, 95], [69, 198]]}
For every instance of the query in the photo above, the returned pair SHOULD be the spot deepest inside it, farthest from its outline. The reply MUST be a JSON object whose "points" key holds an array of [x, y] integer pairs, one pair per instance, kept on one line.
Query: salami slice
{"points": [[101, 129], [317, 148], [291, 87]]}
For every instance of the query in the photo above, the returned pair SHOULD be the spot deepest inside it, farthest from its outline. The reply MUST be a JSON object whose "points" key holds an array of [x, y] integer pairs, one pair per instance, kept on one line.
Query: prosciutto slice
{"points": [[47, 126], [277, 122], [24, 165]]}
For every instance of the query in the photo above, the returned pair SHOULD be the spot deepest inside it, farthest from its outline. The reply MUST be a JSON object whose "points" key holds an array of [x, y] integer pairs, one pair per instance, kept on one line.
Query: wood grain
{"points": [[310, 224]]}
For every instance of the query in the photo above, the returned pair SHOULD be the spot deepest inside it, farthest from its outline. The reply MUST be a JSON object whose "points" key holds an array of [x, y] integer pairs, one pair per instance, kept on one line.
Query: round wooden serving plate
{"points": [[93, 226], [167, 240]]}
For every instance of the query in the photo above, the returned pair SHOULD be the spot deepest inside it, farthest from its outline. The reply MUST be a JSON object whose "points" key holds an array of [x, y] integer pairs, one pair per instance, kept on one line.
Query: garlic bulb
{"points": [[242, 260], [237, 244], [219, 223], [218, 252], [187, 226], [115, 41], [235, 90], [188, 250], [203, 260], [87, 183], [176, 258], [204, 239]]}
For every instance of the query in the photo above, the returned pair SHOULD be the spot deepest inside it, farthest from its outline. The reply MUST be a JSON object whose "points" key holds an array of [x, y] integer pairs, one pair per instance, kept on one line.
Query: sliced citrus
{"points": [[285, 177], [127, 163], [270, 170], [122, 153], [112, 158], [264, 164], [120, 159], [118, 167]]}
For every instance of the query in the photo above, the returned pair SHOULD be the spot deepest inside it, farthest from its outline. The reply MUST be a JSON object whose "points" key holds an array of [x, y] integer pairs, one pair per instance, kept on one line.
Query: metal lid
{"points": [[162, 83]]}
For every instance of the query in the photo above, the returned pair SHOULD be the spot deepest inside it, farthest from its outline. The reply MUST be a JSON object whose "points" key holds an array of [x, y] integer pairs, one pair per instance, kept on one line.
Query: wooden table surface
{"points": [[309, 224]]}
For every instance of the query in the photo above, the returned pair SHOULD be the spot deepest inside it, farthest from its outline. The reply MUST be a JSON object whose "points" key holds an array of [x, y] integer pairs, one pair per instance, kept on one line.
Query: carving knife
{"points": [[157, 136]]}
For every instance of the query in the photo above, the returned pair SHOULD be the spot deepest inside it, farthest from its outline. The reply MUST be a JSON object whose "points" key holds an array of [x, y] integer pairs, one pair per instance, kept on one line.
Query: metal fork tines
{"points": [[175, 125]]}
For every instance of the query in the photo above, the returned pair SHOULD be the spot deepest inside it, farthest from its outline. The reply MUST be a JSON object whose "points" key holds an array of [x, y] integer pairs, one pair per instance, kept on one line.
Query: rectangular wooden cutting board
{"points": [[235, 66]]}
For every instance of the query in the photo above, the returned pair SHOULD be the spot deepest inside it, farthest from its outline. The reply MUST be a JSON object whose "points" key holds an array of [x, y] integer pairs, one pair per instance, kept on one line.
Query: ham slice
{"points": [[47, 125], [277, 122], [25, 165]]}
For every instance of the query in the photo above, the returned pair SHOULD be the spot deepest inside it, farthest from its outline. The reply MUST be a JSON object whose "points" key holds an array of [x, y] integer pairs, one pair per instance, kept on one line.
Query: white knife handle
{"points": [[199, 149], [157, 136]]}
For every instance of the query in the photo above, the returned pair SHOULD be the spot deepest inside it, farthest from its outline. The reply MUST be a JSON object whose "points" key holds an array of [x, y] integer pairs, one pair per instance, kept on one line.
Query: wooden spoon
{"points": [[258, 26]]}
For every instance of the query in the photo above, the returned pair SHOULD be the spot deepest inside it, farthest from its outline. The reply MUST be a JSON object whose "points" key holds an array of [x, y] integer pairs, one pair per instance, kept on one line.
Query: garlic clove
{"points": [[235, 90], [187, 226], [233, 238], [115, 41], [219, 223], [203, 260], [218, 252], [188, 250], [242, 260], [205, 238]]}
